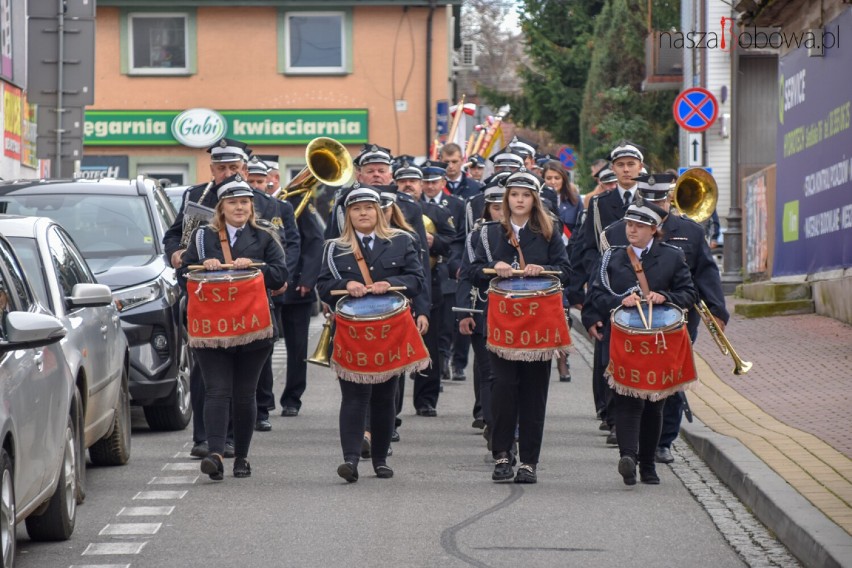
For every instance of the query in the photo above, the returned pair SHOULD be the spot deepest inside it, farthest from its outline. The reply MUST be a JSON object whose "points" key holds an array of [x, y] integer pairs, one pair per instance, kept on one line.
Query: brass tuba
{"points": [[320, 356], [429, 226], [328, 162], [696, 194]]}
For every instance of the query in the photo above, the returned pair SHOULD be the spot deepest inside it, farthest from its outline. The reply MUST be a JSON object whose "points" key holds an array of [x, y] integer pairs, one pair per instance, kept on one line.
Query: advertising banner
{"points": [[99, 167], [254, 127], [814, 159], [29, 128], [11, 121]]}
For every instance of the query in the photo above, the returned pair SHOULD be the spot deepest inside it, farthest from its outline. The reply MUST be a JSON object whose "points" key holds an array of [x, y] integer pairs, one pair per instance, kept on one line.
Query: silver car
{"points": [[95, 347], [39, 415]]}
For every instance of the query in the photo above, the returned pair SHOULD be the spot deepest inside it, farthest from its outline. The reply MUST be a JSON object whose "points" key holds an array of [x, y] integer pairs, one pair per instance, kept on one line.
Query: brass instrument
{"points": [[328, 162], [320, 356], [695, 194], [429, 226], [740, 367], [195, 215]]}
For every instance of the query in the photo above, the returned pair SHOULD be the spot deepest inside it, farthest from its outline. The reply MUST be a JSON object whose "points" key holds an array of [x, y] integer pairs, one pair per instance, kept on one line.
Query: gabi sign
{"points": [[256, 127]]}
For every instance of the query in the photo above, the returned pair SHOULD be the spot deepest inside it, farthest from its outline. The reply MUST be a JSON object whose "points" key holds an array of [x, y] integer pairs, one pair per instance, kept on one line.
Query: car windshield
{"points": [[27, 251], [108, 229]]}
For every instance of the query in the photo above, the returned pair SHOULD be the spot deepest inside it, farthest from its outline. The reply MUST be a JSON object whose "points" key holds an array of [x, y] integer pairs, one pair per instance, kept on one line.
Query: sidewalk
{"points": [[793, 412]]}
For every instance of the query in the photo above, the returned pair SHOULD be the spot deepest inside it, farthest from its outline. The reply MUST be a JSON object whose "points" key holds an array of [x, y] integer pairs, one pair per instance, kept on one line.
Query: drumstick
{"points": [[641, 312], [519, 272], [650, 314], [194, 267], [346, 292]]}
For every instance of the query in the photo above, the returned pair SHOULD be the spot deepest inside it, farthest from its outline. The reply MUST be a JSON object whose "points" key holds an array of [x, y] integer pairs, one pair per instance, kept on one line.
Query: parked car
{"points": [[175, 195], [95, 347], [118, 226], [40, 414]]}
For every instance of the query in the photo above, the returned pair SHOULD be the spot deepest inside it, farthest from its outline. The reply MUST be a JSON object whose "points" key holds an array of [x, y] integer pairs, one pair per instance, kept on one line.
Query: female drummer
{"points": [[231, 374], [637, 421], [528, 239], [392, 259]]}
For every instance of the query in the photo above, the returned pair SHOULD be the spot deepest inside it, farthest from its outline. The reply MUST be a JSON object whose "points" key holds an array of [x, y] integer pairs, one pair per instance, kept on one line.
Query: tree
{"points": [[499, 48]]}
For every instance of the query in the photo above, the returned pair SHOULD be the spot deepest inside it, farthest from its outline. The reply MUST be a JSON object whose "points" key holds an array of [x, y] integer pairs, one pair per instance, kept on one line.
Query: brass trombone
{"points": [[328, 162], [320, 356], [740, 367]]}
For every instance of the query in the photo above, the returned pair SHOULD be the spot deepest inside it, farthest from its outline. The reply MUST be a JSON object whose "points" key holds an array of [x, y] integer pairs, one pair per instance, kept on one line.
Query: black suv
{"points": [[118, 225]]}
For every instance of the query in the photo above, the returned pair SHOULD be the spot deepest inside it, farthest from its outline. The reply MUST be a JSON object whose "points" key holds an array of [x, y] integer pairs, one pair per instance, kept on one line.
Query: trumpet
{"points": [[328, 162], [740, 367], [320, 356]]}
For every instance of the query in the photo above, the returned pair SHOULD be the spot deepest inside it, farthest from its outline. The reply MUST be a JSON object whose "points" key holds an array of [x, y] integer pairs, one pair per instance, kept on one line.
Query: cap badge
{"points": [[238, 177], [222, 143], [374, 148], [652, 181]]}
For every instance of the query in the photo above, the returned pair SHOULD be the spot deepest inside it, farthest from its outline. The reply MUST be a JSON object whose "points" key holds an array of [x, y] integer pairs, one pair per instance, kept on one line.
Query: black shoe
{"points": [[440, 388], [566, 378], [348, 471], [212, 465], [663, 455], [502, 469], [445, 370], [526, 474], [365, 448], [458, 375], [612, 438], [229, 450], [603, 426], [648, 474], [390, 451], [242, 468], [289, 411], [199, 450], [263, 425], [427, 410], [395, 436], [478, 423], [382, 471], [627, 469]]}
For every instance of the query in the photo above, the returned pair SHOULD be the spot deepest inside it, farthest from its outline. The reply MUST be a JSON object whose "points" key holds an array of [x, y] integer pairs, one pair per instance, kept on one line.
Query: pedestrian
{"points": [[231, 374]]}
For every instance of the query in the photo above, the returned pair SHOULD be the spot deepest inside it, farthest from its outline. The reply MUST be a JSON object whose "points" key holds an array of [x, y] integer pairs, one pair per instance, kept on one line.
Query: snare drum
{"points": [[375, 339], [526, 321], [650, 363], [226, 308]]}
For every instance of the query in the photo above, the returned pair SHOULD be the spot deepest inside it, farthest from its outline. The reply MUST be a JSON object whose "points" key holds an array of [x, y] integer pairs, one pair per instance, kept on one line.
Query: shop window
{"points": [[316, 42], [160, 43]]}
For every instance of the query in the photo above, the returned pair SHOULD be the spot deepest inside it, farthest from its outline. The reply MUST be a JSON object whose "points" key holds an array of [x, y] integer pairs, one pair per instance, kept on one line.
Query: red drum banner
{"points": [[373, 351], [227, 308], [650, 365], [527, 327]]}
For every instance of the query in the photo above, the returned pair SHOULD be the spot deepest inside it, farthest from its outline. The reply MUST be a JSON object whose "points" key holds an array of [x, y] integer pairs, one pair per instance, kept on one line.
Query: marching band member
{"points": [[458, 182], [475, 167], [231, 374], [638, 420], [530, 239], [389, 257]]}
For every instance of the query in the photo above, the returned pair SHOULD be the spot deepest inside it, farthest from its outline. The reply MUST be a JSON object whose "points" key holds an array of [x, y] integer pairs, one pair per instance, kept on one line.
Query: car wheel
{"points": [[114, 449], [81, 447], [57, 522], [177, 412], [7, 510]]}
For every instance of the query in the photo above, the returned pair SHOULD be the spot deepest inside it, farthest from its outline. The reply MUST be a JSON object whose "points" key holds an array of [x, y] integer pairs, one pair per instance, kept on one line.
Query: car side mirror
{"points": [[26, 330], [90, 295]]}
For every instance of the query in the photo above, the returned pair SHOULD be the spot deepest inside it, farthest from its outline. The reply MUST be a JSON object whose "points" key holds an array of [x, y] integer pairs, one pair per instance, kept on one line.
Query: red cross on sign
{"points": [[695, 109]]}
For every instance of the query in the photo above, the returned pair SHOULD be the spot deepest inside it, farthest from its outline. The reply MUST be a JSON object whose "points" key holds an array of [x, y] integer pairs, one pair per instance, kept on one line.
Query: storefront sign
{"points": [[29, 127], [11, 121], [198, 127], [254, 127], [814, 175], [99, 167]]}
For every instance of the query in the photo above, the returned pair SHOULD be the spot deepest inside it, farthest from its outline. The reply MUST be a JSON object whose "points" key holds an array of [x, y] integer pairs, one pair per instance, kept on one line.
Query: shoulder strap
{"points": [[226, 246], [362, 265], [640, 272], [514, 242]]}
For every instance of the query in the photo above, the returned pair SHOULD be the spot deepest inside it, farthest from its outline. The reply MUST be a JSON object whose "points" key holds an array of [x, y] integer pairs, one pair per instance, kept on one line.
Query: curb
{"points": [[809, 535]]}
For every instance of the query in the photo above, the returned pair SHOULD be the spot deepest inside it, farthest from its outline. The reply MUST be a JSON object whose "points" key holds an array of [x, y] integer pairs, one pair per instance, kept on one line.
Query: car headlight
{"points": [[136, 296]]}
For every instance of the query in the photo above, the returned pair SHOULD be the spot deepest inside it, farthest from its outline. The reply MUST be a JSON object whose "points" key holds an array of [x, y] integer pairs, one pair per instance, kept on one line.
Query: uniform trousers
{"points": [[231, 375], [265, 397], [638, 423], [379, 400], [295, 320], [673, 409], [196, 399], [519, 397], [461, 348], [483, 380], [600, 388], [427, 383]]}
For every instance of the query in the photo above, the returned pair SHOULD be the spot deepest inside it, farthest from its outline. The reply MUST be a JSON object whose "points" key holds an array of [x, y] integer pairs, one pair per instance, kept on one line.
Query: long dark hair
{"points": [[567, 192]]}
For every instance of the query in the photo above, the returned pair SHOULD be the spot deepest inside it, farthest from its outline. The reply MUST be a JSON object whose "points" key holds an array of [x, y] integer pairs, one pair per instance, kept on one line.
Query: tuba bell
{"points": [[320, 356], [696, 194], [328, 162]]}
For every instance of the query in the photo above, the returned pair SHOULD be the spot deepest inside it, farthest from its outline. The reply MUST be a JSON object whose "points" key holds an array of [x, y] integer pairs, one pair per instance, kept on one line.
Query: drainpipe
{"points": [[429, 76]]}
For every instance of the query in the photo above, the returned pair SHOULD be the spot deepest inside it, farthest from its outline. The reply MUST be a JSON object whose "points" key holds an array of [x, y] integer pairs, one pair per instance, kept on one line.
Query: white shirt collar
{"points": [[362, 235], [517, 228], [457, 180], [232, 231], [639, 251]]}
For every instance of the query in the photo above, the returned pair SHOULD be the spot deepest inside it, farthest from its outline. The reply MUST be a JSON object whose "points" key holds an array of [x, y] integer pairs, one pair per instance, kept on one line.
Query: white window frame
{"points": [[132, 70], [315, 70]]}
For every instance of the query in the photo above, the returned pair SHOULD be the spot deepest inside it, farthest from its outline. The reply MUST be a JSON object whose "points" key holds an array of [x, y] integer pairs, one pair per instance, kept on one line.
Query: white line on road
{"points": [[130, 528], [160, 495], [180, 467], [173, 480], [103, 548], [99, 566], [146, 511]]}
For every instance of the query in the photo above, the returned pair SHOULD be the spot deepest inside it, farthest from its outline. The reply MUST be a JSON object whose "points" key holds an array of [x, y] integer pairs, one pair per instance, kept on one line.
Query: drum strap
{"points": [[640, 272], [226, 246], [513, 240], [362, 264]]}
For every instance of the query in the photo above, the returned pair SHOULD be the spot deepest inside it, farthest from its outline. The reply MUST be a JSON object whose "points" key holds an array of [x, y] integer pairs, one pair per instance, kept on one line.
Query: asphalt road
{"points": [[441, 508]]}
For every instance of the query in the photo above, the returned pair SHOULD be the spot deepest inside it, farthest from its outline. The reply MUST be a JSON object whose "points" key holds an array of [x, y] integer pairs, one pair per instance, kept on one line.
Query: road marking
{"points": [[160, 495], [182, 455], [145, 511], [104, 548], [130, 528], [99, 566], [180, 467], [174, 480]]}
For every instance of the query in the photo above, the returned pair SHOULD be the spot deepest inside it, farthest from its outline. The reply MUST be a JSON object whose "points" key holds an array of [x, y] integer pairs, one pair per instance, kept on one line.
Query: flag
{"points": [[460, 137]]}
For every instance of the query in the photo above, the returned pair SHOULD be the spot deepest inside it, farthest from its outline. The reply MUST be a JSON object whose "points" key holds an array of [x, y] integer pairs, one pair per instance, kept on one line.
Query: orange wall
{"points": [[237, 62]]}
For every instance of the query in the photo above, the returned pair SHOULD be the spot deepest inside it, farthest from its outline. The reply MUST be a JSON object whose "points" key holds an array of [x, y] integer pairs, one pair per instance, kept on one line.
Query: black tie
{"points": [[366, 241], [237, 234], [644, 254], [628, 199]]}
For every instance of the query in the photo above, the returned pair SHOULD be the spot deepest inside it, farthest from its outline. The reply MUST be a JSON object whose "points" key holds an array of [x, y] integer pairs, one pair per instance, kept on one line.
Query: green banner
{"points": [[257, 127]]}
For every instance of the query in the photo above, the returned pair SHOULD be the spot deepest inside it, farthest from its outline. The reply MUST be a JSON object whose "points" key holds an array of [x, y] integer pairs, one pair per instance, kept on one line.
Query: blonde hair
{"points": [[348, 238], [218, 221], [539, 222], [398, 219]]}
